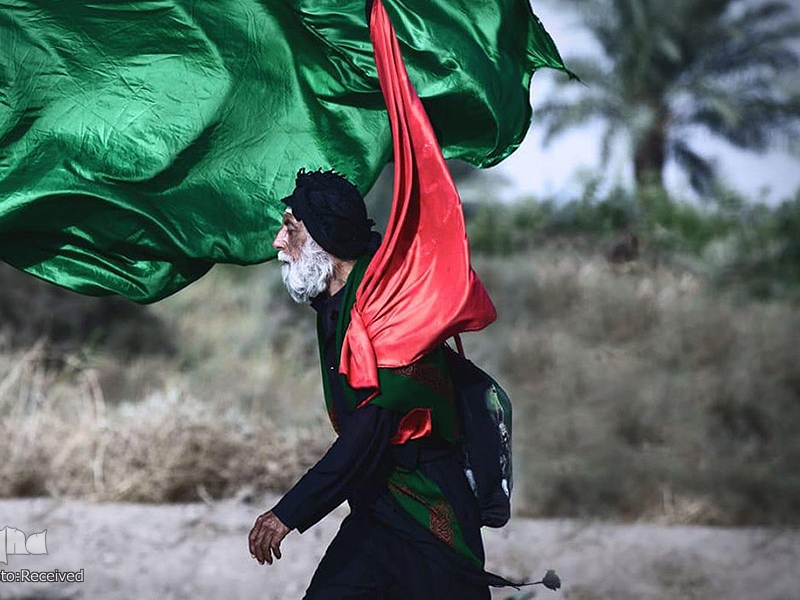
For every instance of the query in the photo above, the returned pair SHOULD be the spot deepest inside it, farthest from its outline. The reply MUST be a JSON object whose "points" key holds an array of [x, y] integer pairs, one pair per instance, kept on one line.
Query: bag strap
{"points": [[459, 345]]}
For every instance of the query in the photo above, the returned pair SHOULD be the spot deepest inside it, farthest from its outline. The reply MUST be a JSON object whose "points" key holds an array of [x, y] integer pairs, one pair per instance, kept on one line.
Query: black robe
{"points": [[380, 551]]}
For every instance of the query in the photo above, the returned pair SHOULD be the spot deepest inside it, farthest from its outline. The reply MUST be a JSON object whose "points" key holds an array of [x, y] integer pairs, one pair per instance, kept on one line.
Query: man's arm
{"points": [[355, 455]]}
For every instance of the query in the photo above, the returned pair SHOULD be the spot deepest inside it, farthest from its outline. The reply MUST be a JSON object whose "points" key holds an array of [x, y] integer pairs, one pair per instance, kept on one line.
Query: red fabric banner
{"points": [[420, 288]]}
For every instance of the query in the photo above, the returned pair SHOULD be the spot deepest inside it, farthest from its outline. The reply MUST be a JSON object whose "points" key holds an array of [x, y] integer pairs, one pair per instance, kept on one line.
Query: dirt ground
{"points": [[199, 551]]}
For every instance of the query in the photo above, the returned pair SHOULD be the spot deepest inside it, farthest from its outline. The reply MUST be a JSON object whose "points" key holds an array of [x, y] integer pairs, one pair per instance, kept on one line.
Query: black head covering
{"points": [[334, 213]]}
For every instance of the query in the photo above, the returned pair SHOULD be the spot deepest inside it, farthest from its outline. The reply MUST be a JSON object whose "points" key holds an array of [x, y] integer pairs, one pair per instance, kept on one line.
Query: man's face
{"points": [[291, 237], [306, 267]]}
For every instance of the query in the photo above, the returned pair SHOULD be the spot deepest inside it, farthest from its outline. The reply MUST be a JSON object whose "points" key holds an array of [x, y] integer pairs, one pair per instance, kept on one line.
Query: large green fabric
{"points": [[142, 141], [402, 391]]}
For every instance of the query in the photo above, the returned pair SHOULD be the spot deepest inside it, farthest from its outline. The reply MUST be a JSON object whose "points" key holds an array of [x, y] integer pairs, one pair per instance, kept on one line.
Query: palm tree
{"points": [[671, 67]]}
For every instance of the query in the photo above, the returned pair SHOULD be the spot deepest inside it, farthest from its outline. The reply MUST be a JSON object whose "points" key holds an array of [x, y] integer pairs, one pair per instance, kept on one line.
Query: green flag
{"points": [[143, 141]]}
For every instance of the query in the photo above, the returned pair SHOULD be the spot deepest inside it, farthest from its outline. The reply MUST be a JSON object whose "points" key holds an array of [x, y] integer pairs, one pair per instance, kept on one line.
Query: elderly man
{"points": [[414, 527]]}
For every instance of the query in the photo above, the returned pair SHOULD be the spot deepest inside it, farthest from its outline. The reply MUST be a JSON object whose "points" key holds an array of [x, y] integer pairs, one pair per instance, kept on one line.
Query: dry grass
{"points": [[639, 393], [62, 438]]}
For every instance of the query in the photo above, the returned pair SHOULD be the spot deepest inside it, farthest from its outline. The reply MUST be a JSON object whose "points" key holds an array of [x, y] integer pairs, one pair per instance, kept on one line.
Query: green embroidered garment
{"points": [[424, 384], [141, 141]]}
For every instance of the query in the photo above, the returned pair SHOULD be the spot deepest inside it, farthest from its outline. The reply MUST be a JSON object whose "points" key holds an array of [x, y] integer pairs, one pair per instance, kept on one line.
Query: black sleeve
{"points": [[355, 455]]}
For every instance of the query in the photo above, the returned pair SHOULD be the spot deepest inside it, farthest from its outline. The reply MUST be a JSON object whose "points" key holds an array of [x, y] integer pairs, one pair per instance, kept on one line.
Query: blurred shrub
{"points": [[503, 229], [31, 309], [764, 255], [643, 394], [678, 226], [732, 241]]}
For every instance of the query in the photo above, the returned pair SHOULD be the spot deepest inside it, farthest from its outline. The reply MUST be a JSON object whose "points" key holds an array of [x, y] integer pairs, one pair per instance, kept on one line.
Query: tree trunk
{"points": [[649, 158], [648, 162]]}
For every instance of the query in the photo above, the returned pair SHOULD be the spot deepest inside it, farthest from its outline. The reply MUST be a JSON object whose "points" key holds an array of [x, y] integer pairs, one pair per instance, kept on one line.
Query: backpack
{"points": [[485, 418]]}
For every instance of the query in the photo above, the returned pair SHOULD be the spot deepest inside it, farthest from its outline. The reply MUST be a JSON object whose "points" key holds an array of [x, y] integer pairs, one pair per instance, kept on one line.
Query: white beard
{"points": [[309, 275]]}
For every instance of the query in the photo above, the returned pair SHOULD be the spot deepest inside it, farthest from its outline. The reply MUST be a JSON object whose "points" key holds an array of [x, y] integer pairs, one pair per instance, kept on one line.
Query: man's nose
{"points": [[279, 243]]}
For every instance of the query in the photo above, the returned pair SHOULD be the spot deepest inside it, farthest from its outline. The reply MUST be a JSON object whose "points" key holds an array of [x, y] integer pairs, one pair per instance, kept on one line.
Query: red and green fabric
{"points": [[142, 141], [420, 288], [423, 387]]}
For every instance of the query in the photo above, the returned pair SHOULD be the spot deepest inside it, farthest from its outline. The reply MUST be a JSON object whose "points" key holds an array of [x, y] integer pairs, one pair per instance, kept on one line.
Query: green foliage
{"points": [[595, 215], [677, 226], [733, 241], [765, 255], [497, 229]]}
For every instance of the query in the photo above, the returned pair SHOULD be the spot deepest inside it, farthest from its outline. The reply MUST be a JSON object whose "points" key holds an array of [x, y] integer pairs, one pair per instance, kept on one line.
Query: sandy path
{"points": [[199, 551]]}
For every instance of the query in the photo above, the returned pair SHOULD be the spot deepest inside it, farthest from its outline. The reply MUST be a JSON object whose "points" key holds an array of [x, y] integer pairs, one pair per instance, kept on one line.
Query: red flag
{"points": [[419, 288]]}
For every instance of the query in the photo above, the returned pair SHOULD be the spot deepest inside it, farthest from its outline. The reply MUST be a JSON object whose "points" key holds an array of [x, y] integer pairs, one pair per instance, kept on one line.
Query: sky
{"points": [[555, 170]]}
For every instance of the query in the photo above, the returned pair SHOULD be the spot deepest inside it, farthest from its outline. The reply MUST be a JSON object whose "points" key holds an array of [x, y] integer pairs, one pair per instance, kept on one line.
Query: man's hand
{"points": [[266, 537]]}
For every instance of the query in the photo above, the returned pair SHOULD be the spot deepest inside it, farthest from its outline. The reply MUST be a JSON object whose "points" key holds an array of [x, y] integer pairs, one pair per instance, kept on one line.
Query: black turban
{"points": [[334, 213]]}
